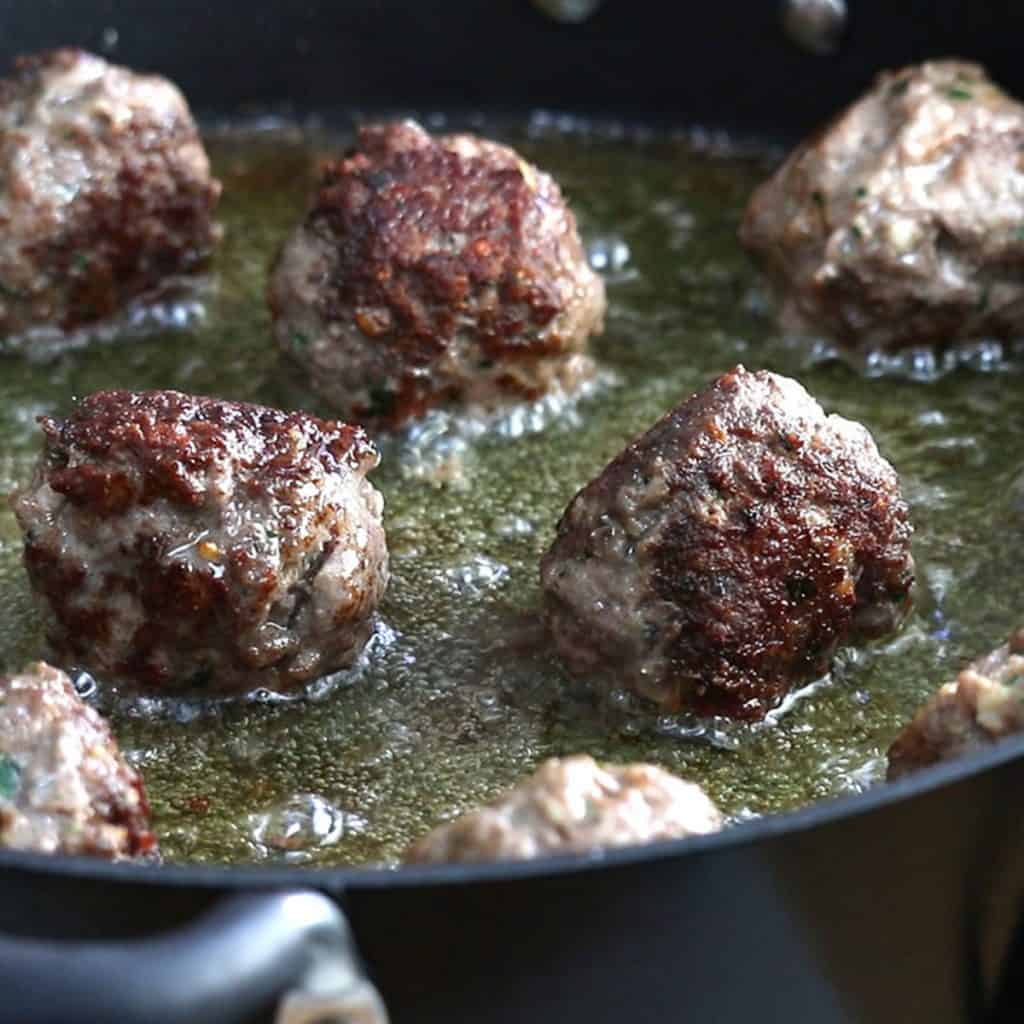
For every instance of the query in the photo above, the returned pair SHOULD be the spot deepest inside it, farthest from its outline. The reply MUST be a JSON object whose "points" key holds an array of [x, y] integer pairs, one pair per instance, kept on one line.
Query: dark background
{"points": [[719, 62]]}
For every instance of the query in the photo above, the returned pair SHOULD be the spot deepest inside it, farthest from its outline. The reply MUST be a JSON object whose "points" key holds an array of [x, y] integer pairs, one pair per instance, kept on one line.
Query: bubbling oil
{"points": [[458, 696]]}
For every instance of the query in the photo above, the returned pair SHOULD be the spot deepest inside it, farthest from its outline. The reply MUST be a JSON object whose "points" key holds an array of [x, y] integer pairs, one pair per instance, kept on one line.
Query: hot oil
{"points": [[458, 697]]}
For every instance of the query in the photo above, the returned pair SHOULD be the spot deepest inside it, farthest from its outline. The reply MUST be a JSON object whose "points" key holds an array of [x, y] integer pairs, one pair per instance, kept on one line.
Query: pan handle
{"points": [[281, 956]]}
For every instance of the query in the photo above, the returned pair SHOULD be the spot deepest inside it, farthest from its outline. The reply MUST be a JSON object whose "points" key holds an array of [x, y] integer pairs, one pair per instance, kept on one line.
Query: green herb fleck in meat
{"points": [[79, 263], [900, 87], [10, 772], [959, 93], [299, 340], [818, 196], [861, 192]]}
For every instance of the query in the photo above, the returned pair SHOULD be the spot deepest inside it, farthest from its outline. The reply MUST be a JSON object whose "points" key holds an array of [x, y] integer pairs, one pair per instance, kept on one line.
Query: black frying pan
{"points": [[899, 905]]}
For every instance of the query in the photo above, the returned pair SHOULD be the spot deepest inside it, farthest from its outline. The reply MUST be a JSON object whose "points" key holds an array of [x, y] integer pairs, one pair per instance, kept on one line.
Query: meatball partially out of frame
{"points": [[724, 556], [982, 705], [64, 786], [190, 543], [105, 190], [434, 271], [574, 805], [900, 223]]}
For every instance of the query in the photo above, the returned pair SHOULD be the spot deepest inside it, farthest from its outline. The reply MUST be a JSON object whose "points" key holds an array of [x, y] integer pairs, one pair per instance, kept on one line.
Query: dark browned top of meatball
{"points": [[398, 206], [162, 444], [790, 473]]}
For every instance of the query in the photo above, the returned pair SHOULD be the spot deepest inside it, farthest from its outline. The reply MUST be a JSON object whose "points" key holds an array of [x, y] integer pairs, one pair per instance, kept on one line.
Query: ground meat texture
{"points": [[433, 271], [64, 786], [902, 222], [188, 543], [722, 557], [983, 704], [105, 189], [574, 804]]}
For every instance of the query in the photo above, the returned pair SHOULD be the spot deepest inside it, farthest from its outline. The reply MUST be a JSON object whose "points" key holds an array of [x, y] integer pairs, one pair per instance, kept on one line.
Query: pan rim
{"points": [[929, 781]]}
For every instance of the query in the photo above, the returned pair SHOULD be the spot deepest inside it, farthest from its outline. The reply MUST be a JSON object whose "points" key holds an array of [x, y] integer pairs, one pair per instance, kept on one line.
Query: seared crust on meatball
{"points": [[983, 704], [186, 542], [64, 786], [105, 189], [431, 271], [900, 223], [570, 805], [723, 557]]}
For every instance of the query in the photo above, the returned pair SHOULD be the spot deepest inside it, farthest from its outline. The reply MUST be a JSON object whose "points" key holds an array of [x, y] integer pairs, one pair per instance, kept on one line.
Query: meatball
{"points": [[188, 543], [434, 270], [574, 805], [723, 557], [64, 786], [900, 223], [984, 703], [105, 189]]}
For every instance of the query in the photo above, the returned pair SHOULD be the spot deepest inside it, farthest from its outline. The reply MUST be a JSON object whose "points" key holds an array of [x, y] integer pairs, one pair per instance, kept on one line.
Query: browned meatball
{"points": [[105, 189], [574, 804], [900, 222], [186, 542], [434, 270], [724, 556], [984, 703], [64, 786]]}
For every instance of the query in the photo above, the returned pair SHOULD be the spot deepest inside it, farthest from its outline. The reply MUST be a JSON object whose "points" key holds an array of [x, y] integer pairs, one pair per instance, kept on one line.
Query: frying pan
{"points": [[898, 905]]}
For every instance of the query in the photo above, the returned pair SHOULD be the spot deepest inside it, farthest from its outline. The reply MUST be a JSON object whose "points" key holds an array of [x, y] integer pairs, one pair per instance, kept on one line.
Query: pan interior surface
{"points": [[458, 697]]}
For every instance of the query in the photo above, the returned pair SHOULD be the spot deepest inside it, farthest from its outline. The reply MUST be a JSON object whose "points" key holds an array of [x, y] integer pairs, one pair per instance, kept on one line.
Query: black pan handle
{"points": [[282, 956]]}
